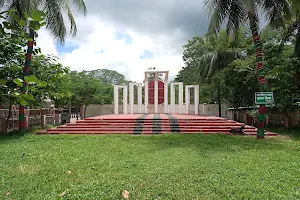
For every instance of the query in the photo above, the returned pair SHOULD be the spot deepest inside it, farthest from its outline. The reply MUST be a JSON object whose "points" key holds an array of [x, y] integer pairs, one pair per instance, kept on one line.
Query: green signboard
{"points": [[264, 97]]}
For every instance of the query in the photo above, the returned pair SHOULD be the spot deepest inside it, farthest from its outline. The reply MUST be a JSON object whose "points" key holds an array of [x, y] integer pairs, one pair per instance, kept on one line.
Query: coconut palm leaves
{"points": [[221, 10], [235, 13], [54, 10], [216, 52], [215, 60], [294, 26]]}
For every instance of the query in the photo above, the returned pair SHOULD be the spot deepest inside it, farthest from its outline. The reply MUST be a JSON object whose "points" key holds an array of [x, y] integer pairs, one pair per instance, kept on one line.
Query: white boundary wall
{"points": [[204, 109]]}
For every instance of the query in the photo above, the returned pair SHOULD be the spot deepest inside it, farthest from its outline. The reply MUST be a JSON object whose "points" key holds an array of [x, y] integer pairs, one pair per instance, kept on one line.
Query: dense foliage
{"points": [[237, 80], [84, 88], [49, 80]]}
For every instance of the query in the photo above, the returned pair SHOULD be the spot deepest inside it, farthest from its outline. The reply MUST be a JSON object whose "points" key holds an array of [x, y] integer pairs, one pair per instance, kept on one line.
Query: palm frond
{"points": [[5, 4], [213, 65], [296, 7], [54, 13], [236, 18], [80, 5], [67, 8], [2, 4], [277, 11], [54, 19], [218, 11], [212, 61], [297, 45]]}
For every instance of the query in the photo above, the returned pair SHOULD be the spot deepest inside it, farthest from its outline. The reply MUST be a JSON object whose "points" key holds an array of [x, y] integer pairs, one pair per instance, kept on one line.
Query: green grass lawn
{"points": [[149, 167]]}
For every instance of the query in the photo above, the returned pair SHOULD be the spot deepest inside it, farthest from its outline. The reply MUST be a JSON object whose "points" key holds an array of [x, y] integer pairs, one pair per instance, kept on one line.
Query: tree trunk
{"points": [[26, 72], [261, 73], [70, 111], [77, 113], [84, 110], [234, 115], [9, 113]]}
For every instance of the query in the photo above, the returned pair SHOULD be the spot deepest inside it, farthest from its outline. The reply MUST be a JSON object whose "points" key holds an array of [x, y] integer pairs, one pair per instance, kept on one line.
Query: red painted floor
{"points": [[151, 124]]}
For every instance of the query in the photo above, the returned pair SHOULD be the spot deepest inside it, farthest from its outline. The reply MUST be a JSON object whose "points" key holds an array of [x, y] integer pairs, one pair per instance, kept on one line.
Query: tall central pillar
{"points": [[156, 92]]}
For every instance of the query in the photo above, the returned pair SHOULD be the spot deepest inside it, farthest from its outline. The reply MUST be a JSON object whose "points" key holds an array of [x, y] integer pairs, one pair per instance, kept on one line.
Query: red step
{"points": [[150, 123], [113, 124]]}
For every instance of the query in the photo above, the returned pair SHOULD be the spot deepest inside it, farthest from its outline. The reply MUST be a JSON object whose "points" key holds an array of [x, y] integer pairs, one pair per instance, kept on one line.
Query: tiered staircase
{"points": [[151, 124]]}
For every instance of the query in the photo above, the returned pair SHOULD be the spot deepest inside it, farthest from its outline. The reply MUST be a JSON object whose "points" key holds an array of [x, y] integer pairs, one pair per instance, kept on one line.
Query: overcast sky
{"points": [[130, 35]]}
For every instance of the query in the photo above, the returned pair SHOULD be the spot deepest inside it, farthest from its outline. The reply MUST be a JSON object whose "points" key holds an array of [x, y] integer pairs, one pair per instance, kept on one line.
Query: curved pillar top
{"points": [[154, 71]]}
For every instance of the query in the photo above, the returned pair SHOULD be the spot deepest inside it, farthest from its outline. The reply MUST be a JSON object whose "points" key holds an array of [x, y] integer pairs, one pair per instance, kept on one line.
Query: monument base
{"points": [[151, 124]]}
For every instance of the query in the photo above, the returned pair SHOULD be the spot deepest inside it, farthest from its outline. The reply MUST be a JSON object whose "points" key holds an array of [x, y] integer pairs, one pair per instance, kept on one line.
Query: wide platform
{"points": [[151, 124]]}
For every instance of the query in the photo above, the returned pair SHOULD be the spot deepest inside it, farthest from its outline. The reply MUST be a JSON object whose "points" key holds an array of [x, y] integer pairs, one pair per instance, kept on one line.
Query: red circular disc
{"points": [[151, 92]]}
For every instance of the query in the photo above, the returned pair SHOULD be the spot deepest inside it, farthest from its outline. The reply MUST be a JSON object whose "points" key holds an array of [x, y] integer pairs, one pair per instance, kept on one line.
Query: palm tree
{"points": [[54, 19], [217, 55], [292, 29], [236, 13], [53, 9]]}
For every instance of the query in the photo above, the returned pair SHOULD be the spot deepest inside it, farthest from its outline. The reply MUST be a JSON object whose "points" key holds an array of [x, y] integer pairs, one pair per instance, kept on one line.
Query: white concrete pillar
{"points": [[180, 96], [140, 97], [196, 99], [172, 98], [116, 99], [125, 100], [187, 99], [166, 100], [156, 92], [131, 97], [146, 92]]}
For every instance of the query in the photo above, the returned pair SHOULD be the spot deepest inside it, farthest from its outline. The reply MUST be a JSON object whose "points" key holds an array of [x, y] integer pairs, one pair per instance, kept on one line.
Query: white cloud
{"points": [[46, 42], [93, 36]]}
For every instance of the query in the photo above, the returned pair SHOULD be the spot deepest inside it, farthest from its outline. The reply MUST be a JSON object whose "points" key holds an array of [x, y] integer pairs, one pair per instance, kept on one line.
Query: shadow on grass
{"points": [[200, 142], [10, 136], [294, 133], [16, 135], [218, 142]]}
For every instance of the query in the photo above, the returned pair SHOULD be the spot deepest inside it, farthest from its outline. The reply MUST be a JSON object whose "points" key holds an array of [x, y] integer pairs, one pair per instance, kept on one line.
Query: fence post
{"points": [[68, 120], [81, 111], [3, 126], [267, 120], [57, 119], [43, 121], [286, 121], [26, 121]]}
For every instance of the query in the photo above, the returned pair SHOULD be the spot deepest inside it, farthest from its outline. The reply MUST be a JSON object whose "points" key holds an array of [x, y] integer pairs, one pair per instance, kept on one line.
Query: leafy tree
{"points": [[84, 89], [11, 27], [292, 28], [54, 13], [283, 73], [54, 21], [48, 69], [107, 76], [238, 83], [205, 56], [236, 13], [48, 72]]}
